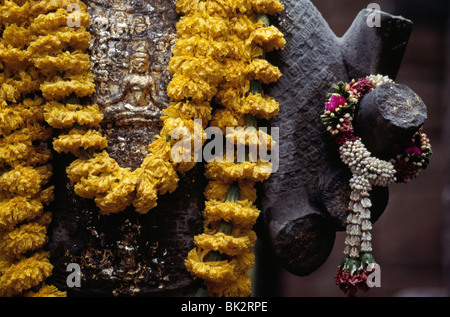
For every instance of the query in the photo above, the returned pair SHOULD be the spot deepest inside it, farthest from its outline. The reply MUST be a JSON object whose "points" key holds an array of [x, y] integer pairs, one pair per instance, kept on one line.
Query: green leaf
{"points": [[366, 259]]}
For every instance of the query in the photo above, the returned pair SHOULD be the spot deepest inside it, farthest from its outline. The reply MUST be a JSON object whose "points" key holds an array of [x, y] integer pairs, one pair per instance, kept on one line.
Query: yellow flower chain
{"points": [[197, 70], [25, 168], [95, 174], [223, 254], [216, 56]]}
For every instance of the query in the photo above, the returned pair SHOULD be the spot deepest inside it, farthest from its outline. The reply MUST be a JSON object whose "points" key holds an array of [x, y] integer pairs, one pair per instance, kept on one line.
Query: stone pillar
{"points": [[128, 254]]}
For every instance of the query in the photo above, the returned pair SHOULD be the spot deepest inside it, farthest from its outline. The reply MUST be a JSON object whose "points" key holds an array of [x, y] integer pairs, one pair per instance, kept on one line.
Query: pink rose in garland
{"points": [[334, 102]]}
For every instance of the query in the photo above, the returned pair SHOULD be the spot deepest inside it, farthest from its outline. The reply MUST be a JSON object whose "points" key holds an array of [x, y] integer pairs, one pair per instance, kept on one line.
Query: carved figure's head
{"points": [[140, 61], [120, 24], [139, 24]]}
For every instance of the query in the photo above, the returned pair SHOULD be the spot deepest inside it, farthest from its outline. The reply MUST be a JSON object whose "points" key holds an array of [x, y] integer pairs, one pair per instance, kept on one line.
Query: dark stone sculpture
{"points": [[128, 254], [388, 117], [303, 204]]}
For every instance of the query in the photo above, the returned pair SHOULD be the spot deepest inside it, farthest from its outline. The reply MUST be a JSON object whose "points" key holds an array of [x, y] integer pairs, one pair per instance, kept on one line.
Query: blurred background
{"points": [[412, 238]]}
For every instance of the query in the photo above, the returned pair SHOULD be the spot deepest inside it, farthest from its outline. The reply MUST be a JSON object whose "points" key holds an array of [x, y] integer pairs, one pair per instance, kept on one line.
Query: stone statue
{"points": [[306, 201], [303, 204], [128, 254]]}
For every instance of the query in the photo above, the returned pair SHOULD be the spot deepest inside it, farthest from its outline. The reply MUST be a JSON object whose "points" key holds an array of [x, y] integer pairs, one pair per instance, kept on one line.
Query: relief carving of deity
{"points": [[130, 52]]}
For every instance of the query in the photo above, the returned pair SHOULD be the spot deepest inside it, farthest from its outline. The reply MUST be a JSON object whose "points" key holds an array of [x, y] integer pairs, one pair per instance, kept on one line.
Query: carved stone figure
{"points": [[128, 254], [306, 201]]}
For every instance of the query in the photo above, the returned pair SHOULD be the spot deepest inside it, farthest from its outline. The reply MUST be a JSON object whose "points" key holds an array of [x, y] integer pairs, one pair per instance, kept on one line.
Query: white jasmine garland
{"points": [[367, 171]]}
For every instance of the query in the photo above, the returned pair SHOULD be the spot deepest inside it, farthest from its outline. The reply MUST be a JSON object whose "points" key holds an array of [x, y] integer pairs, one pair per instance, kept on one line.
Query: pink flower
{"points": [[413, 150], [334, 102]]}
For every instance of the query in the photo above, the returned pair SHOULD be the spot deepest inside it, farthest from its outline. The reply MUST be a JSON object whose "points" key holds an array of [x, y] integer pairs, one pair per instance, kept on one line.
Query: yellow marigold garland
{"points": [[223, 69], [25, 169], [223, 254], [207, 51], [94, 173]]}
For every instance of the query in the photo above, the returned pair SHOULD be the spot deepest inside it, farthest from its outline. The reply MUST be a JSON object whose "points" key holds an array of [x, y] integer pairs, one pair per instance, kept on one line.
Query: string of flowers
{"points": [[25, 169], [367, 171], [94, 173], [223, 254], [196, 72]]}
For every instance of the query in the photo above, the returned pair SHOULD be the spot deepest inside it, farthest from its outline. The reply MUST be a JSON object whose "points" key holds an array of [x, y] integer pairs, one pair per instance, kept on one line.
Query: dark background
{"points": [[412, 238]]}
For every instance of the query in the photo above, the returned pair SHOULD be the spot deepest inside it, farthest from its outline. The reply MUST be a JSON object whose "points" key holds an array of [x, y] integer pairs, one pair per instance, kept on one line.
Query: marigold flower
{"points": [[250, 137], [15, 58], [120, 195], [22, 83], [19, 209], [186, 7], [224, 118], [203, 68], [25, 274], [11, 12], [94, 186], [23, 153], [58, 88], [260, 106], [258, 171], [146, 192], [25, 180], [52, 21], [247, 190], [77, 38], [69, 62], [197, 45], [217, 190], [189, 109], [182, 87], [16, 116], [47, 195], [46, 291], [217, 271], [239, 288], [202, 23], [45, 7], [164, 173], [242, 49], [8, 92], [270, 38], [261, 70], [62, 116], [16, 36], [160, 147], [241, 213], [100, 163], [76, 139], [271, 7], [28, 237], [226, 244]]}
